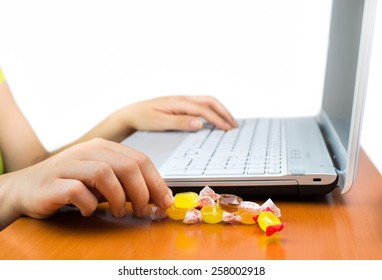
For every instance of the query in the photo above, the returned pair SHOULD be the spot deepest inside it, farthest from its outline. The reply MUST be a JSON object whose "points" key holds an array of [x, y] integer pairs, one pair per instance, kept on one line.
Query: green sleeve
{"points": [[1, 165]]}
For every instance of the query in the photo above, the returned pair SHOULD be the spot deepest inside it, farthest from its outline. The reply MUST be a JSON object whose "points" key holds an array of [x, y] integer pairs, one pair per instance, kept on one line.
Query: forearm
{"points": [[19, 144]]}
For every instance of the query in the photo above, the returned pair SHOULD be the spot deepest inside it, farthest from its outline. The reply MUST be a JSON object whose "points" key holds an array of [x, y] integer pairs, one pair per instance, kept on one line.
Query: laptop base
{"points": [[250, 192]]}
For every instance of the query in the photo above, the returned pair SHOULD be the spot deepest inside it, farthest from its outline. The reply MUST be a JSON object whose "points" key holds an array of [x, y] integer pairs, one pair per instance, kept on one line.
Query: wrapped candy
{"points": [[269, 222], [207, 197], [176, 213], [193, 216], [210, 207], [206, 201], [230, 217], [208, 192], [229, 202], [186, 200], [212, 214], [157, 213], [247, 211], [269, 205]]}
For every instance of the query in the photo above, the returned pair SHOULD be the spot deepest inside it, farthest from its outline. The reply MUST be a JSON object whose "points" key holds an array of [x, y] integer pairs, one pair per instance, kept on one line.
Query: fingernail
{"points": [[227, 126], [196, 124], [167, 200], [235, 123]]}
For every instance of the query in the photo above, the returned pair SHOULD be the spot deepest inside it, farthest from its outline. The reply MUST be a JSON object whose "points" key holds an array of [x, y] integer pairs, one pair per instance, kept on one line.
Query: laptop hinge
{"points": [[333, 143]]}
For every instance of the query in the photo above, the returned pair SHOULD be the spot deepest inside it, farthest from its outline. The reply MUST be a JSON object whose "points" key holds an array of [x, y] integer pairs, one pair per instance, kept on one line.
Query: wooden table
{"points": [[334, 226]]}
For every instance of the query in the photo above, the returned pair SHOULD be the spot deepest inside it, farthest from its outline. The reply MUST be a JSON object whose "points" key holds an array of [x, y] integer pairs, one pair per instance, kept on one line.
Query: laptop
{"points": [[300, 156]]}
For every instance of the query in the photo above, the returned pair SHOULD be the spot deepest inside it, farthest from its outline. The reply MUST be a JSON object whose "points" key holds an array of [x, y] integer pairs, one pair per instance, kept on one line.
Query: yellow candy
{"points": [[212, 214], [266, 219], [269, 222], [176, 213], [186, 200]]}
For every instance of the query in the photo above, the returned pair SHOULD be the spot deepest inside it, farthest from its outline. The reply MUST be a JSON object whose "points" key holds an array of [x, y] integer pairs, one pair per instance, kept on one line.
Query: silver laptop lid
{"points": [[346, 82]]}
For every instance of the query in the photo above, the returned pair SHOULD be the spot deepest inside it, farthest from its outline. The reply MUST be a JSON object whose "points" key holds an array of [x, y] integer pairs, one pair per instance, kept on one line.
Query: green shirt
{"points": [[2, 78]]}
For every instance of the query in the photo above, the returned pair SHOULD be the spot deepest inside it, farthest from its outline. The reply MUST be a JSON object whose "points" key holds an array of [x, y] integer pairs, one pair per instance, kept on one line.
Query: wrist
{"points": [[9, 203], [124, 120]]}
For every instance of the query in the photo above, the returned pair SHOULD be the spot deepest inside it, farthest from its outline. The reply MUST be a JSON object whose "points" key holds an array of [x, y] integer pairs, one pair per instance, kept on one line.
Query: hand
{"points": [[177, 113], [84, 175], [163, 113]]}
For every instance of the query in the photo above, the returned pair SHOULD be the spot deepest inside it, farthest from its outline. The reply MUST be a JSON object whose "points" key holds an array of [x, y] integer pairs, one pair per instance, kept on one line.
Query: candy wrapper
{"points": [[210, 207], [157, 213]]}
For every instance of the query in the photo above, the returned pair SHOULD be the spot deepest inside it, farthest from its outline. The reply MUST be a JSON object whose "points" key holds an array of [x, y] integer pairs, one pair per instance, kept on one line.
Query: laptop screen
{"points": [[344, 40], [347, 67]]}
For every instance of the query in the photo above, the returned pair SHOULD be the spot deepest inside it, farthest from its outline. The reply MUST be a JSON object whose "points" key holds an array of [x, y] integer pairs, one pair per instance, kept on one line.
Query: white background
{"points": [[71, 63], [109, 269]]}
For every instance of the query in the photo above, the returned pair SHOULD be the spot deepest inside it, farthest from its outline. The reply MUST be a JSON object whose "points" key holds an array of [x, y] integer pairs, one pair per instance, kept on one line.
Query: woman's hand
{"points": [[84, 175], [177, 113], [159, 114]]}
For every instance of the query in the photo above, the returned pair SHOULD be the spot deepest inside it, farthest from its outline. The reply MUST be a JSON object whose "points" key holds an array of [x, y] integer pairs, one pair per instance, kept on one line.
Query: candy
{"points": [[229, 202], [212, 214], [186, 200], [269, 222], [157, 213], [247, 211], [208, 192], [210, 207], [230, 217], [193, 216], [269, 205], [176, 213], [206, 201]]}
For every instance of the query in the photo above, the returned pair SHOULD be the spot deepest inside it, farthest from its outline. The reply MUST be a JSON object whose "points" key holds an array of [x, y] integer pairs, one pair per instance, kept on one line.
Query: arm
{"points": [[95, 171], [19, 144]]}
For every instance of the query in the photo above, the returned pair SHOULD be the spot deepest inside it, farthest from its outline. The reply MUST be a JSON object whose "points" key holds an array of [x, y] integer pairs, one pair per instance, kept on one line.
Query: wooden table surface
{"points": [[333, 226]]}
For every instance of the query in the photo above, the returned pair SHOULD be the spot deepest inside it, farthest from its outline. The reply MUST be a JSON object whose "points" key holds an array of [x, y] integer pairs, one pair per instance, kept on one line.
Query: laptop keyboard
{"points": [[256, 147]]}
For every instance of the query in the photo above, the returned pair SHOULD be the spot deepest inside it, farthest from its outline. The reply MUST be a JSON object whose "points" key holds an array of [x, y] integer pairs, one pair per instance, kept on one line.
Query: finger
{"points": [[217, 106], [160, 194], [134, 185], [192, 108], [167, 121], [71, 191], [142, 181], [99, 175]]}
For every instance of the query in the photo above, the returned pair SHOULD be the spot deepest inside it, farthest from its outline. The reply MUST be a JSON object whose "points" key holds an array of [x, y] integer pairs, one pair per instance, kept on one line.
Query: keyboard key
{"points": [[259, 171], [274, 171], [194, 172], [223, 172]]}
